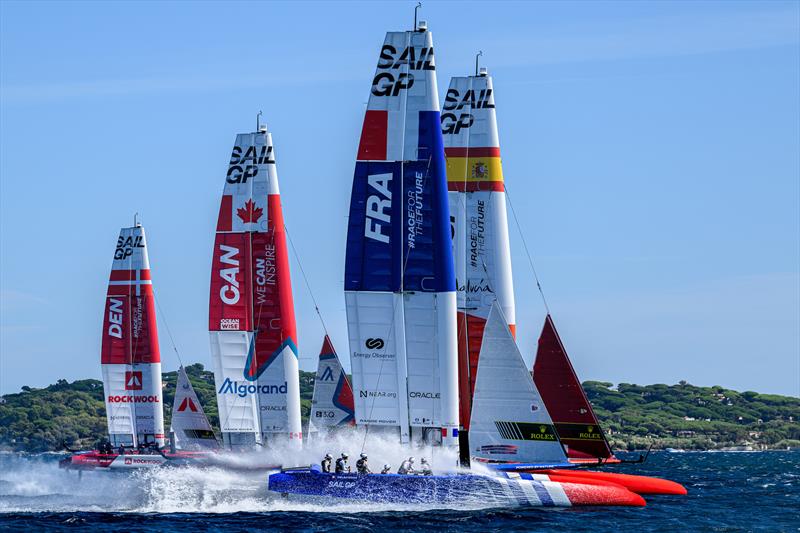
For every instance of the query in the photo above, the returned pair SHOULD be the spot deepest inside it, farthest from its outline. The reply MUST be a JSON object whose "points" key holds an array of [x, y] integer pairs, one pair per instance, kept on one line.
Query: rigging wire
{"points": [[305, 279], [527, 252]]}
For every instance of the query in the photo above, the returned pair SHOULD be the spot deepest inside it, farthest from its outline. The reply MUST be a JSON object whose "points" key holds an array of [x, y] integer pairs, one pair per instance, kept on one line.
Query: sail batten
{"points": [[399, 280], [251, 311]]}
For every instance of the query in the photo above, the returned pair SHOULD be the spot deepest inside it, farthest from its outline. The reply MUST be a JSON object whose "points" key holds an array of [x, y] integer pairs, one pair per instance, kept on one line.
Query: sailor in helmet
{"points": [[361, 465], [326, 463], [386, 469], [341, 464], [426, 468], [407, 466]]}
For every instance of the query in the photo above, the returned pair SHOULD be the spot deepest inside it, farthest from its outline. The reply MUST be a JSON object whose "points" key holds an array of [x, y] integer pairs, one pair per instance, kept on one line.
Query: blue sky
{"points": [[651, 151]]}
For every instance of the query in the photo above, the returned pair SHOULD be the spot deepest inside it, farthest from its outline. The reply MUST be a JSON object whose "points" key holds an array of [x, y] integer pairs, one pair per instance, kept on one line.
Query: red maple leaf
{"points": [[249, 213]]}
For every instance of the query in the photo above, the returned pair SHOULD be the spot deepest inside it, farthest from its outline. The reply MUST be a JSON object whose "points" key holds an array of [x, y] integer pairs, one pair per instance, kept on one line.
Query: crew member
{"points": [[341, 464], [407, 466], [121, 450], [326, 463], [386, 469], [426, 468], [361, 465]]}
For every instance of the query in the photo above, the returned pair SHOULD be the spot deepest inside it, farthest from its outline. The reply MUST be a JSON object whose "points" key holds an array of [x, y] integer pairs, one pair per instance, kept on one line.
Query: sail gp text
{"points": [[414, 214]]}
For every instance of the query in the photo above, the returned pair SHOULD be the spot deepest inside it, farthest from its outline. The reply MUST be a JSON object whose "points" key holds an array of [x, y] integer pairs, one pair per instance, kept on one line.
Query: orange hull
{"points": [[637, 484]]}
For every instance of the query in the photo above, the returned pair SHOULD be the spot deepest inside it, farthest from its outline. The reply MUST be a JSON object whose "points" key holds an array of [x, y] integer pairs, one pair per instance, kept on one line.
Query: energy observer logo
{"points": [[374, 344]]}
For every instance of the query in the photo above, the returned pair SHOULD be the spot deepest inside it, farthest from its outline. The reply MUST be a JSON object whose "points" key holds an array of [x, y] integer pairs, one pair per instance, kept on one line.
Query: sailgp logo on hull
{"points": [[244, 389]]}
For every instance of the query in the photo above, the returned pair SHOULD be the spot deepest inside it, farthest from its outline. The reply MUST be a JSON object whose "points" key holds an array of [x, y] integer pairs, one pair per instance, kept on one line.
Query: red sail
{"points": [[566, 401]]}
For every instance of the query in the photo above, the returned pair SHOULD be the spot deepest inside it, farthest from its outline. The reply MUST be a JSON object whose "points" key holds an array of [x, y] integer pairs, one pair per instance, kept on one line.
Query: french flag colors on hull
{"points": [[130, 357], [332, 402], [510, 422], [478, 212], [251, 311], [399, 279]]}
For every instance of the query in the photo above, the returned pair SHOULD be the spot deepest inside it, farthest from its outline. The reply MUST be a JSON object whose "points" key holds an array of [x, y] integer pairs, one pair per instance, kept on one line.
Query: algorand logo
{"points": [[244, 389], [327, 375]]}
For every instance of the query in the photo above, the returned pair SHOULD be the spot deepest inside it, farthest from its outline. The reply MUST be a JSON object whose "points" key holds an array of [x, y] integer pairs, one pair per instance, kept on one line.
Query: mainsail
{"points": [[332, 402], [251, 312], [190, 428], [399, 279], [566, 400], [130, 357], [478, 214], [510, 422]]}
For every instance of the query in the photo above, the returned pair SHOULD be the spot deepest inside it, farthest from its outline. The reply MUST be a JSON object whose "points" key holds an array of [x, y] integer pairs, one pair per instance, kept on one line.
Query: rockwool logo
{"points": [[133, 380], [187, 403]]}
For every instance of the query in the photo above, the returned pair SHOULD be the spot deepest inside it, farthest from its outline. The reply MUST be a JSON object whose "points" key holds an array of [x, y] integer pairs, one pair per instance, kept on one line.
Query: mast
{"points": [[399, 280], [130, 356], [251, 310]]}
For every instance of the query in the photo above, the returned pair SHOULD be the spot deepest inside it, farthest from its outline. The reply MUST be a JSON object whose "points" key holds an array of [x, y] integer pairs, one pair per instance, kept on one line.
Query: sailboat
{"points": [[480, 228], [399, 280], [332, 402], [251, 312], [131, 364], [190, 428]]}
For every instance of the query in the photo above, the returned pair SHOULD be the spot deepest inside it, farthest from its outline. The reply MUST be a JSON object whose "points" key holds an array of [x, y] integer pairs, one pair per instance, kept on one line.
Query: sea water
{"points": [[728, 491]]}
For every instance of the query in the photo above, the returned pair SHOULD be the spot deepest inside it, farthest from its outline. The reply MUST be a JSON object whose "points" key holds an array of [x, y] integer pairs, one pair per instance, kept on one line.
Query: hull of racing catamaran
{"points": [[452, 488]]}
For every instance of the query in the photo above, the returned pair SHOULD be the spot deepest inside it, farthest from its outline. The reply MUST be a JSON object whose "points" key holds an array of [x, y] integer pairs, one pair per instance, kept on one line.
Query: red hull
{"points": [[590, 494], [637, 484]]}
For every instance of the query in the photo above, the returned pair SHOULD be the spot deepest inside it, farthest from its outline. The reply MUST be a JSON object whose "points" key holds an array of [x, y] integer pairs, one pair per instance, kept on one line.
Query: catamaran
{"points": [[131, 365], [401, 309], [332, 401], [251, 312]]}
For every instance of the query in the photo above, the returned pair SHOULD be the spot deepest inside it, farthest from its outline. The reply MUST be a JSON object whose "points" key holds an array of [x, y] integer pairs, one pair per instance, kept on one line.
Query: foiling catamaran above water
{"points": [[430, 318], [131, 367]]}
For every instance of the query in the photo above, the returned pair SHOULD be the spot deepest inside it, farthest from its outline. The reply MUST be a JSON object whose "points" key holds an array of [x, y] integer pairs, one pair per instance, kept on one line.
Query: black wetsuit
{"points": [[341, 465]]}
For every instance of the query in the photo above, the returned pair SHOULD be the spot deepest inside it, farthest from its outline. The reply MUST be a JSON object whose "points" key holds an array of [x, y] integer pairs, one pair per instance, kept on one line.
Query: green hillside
{"points": [[634, 416]]}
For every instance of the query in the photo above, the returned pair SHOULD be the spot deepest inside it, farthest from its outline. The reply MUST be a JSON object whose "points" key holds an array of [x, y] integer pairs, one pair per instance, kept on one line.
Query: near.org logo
{"points": [[374, 344]]}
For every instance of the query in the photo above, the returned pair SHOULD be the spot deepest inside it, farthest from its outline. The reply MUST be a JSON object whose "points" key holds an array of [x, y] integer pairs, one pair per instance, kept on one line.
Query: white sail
{"points": [[509, 419], [399, 279], [190, 427]]}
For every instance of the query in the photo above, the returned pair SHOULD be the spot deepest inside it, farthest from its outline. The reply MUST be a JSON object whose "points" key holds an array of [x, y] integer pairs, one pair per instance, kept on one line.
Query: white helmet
{"points": [[386, 466], [410, 459], [424, 461], [328, 456], [344, 456], [363, 456]]}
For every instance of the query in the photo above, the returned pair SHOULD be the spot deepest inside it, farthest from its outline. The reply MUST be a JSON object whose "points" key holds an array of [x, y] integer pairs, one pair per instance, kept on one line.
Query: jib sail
{"points": [[399, 279], [190, 427], [478, 214], [251, 311], [130, 357], [332, 402], [510, 422], [566, 400]]}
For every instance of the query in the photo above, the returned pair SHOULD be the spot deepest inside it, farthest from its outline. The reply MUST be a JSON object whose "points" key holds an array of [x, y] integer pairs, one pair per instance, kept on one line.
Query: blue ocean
{"points": [[728, 491]]}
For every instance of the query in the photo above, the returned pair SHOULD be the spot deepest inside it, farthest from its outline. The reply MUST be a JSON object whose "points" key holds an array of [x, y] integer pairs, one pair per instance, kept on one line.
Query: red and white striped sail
{"points": [[251, 310], [130, 357], [479, 220]]}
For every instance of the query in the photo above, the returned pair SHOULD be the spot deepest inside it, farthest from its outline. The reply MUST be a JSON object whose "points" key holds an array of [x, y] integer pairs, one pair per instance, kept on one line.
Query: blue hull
{"points": [[395, 488]]}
